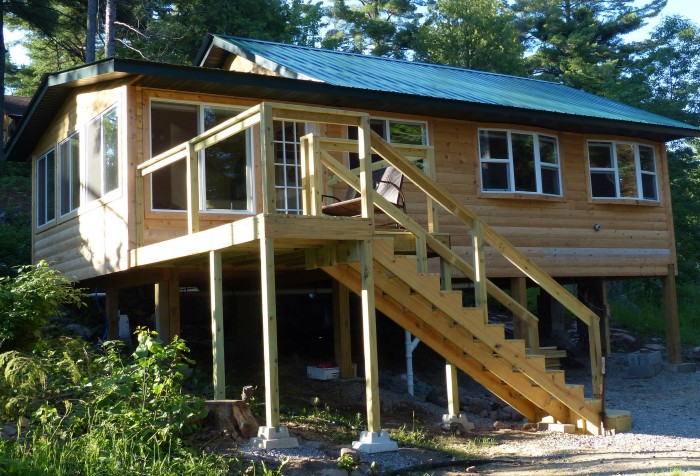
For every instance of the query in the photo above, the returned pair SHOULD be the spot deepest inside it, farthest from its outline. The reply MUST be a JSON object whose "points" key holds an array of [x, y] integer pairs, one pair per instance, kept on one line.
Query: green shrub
{"points": [[28, 299]]}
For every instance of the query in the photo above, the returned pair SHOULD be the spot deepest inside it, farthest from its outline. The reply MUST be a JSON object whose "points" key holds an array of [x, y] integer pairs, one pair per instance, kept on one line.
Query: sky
{"points": [[687, 8]]}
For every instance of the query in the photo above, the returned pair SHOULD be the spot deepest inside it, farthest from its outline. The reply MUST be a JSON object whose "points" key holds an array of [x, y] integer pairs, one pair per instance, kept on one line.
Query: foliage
{"points": [[100, 411], [15, 215], [580, 43], [474, 34], [380, 27], [341, 428], [28, 299], [348, 463]]}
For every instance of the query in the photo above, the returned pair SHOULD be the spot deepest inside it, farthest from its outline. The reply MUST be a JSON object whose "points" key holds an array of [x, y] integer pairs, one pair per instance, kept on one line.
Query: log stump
{"points": [[233, 417]]}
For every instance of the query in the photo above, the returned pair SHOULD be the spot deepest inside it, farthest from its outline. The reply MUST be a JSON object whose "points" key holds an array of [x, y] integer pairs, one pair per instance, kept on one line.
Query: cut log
{"points": [[233, 417]]}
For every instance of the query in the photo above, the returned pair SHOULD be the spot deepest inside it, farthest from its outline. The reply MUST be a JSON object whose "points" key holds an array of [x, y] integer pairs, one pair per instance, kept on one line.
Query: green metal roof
{"points": [[428, 80]]}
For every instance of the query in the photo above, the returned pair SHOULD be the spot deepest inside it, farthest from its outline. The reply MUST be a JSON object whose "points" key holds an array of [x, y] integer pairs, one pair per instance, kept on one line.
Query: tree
{"points": [[91, 31], [474, 34], [110, 23], [579, 42], [380, 27]]}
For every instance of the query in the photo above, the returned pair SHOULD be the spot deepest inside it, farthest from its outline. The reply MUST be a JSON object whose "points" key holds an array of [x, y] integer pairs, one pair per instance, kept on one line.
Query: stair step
{"points": [[576, 390], [596, 403]]}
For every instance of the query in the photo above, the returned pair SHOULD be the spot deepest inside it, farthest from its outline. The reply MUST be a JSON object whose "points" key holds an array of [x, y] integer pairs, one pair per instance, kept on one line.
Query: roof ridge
{"points": [[396, 60]]}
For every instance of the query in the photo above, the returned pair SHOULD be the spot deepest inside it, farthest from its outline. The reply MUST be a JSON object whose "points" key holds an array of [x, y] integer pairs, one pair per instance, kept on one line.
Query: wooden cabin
{"points": [[219, 173]]}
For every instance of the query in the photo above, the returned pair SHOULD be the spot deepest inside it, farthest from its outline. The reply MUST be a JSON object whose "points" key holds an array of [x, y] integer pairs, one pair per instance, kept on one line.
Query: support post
{"points": [[480, 295], [167, 301], [673, 332], [192, 190], [365, 158], [112, 307], [373, 440], [341, 329], [217, 325], [518, 290], [452, 390], [267, 157]]}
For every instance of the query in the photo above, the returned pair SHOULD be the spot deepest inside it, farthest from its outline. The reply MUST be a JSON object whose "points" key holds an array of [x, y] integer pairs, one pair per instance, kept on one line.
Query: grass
{"points": [[642, 310]]}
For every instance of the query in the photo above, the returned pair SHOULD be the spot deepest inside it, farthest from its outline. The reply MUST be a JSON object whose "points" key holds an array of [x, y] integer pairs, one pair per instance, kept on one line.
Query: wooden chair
{"points": [[388, 186]]}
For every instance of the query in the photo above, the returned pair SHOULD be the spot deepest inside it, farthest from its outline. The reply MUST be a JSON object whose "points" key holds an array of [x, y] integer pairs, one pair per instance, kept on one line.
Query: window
{"points": [[46, 188], [69, 173], [622, 170], [397, 132], [287, 166], [224, 168], [523, 162], [102, 155]]}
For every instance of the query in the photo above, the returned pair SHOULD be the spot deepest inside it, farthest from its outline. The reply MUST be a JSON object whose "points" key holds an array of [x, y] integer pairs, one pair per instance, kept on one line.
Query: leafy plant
{"points": [[347, 462], [28, 299]]}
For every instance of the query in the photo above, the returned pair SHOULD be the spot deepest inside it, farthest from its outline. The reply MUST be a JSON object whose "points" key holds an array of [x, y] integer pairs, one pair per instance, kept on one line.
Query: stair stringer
{"points": [[513, 352]]}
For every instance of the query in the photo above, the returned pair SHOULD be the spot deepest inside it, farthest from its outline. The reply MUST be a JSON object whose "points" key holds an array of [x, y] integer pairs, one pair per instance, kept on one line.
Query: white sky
{"points": [[687, 8]]}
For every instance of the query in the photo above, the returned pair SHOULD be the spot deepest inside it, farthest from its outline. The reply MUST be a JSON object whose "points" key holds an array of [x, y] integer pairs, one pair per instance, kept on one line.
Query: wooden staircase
{"points": [[460, 334]]}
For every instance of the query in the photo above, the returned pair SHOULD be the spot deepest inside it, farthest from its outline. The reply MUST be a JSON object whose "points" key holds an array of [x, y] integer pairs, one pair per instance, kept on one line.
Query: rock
{"points": [[499, 425], [317, 445], [655, 347], [9, 431], [493, 415], [475, 405], [504, 416], [484, 414], [530, 426], [437, 396], [471, 470], [349, 451], [316, 468]]}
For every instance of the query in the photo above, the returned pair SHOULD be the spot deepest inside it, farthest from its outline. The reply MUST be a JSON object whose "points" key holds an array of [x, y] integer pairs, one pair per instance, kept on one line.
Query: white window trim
{"points": [[388, 120], [250, 177], [539, 165], [44, 185], [70, 172], [616, 169]]}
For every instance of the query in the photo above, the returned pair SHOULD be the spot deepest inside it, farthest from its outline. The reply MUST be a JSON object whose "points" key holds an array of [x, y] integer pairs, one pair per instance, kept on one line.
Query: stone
{"points": [[656, 347], [475, 405], [349, 451], [493, 415], [499, 425], [644, 364], [458, 425], [484, 414], [316, 468], [561, 427], [9, 431], [471, 470], [530, 426]]}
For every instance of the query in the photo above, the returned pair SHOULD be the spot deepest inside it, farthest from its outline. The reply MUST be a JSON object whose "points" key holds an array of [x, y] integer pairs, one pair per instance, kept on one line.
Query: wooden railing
{"points": [[316, 154]]}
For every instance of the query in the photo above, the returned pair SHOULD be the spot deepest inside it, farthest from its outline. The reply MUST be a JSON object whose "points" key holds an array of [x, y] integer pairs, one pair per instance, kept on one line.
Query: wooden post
{"points": [[451, 381], [341, 329], [192, 190], [369, 337], [430, 170], [217, 325], [112, 309], [304, 152], [139, 205], [518, 289], [269, 318], [365, 157], [267, 157], [480, 295], [673, 331], [315, 176], [162, 302]]}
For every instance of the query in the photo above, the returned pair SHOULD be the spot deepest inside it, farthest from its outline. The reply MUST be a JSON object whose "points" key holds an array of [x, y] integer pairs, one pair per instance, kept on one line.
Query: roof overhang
{"points": [[55, 88]]}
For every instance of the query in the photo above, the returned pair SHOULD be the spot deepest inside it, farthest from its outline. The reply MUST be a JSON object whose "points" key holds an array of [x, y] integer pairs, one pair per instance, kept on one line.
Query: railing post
{"points": [[364, 146], [430, 170], [314, 163], [304, 146], [139, 207], [217, 325], [480, 295], [267, 156], [523, 329], [192, 190], [596, 356]]}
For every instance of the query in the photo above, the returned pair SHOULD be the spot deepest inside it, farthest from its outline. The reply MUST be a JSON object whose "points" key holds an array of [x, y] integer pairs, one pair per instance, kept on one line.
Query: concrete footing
{"points": [[373, 442], [459, 423], [683, 368], [644, 365], [270, 438]]}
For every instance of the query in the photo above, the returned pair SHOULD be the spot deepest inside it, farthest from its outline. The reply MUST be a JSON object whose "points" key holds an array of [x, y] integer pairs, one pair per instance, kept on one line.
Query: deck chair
{"points": [[388, 186]]}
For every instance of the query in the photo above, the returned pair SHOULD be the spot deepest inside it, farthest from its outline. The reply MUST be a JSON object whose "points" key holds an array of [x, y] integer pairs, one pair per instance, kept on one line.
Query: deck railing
{"points": [[316, 153]]}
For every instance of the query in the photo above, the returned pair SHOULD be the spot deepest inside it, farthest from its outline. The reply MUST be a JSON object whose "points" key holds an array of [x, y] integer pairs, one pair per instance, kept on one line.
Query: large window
{"points": [[396, 132], [224, 168], [622, 170], [46, 188], [102, 155], [69, 174], [513, 161]]}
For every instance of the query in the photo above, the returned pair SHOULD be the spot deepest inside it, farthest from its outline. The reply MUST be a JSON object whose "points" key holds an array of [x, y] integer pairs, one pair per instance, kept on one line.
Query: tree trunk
{"points": [[3, 51], [233, 417], [110, 18], [91, 31]]}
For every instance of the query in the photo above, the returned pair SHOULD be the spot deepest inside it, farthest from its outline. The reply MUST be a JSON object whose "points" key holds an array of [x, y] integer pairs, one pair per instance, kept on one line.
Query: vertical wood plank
{"points": [[217, 325], [315, 176], [112, 309], [518, 289], [452, 390], [140, 208], [480, 295], [174, 302], [365, 156], [304, 151], [269, 318], [192, 190], [430, 169], [369, 337], [341, 329], [267, 158], [673, 331]]}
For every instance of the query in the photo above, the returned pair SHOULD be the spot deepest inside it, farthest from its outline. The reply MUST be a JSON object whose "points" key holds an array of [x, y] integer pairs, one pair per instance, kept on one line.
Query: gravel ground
{"points": [[665, 436]]}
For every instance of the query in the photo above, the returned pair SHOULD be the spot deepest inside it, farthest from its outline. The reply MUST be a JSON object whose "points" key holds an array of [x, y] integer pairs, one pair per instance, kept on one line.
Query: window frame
{"points": [[73, 164], [49, 189], [639, 173], [539, 165], [201, 165], [104, 195]]}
